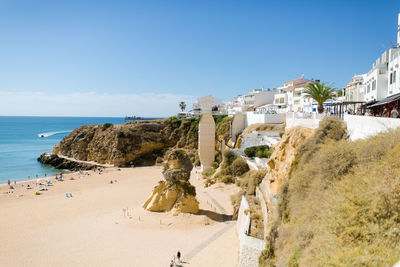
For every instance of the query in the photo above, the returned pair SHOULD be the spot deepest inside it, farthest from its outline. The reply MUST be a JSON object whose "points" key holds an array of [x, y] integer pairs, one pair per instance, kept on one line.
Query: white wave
{"points": [[52, 133]]}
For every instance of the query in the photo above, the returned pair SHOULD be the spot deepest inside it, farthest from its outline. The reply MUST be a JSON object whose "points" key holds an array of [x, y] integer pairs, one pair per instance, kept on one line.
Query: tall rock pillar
{"points": [[206, 133]]}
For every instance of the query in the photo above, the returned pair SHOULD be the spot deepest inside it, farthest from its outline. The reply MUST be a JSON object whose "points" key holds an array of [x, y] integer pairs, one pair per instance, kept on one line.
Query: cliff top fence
{"points": [[358, 127]]}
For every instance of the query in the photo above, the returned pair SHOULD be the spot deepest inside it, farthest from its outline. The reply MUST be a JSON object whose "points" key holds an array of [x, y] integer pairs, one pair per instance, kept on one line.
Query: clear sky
{"points": [[117, 58]]}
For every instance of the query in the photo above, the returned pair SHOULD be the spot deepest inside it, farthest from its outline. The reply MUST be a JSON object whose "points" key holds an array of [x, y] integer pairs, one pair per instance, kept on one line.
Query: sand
{"points": [[103, 224]]}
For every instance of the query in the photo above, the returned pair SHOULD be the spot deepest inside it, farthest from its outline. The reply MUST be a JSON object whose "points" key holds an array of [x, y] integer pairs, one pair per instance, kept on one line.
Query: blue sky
{"points": [[59, 55]]}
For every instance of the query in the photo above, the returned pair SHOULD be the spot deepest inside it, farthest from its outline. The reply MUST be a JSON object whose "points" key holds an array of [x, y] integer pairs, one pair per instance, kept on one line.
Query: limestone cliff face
{"points": [[121, 145], [283, 157]]}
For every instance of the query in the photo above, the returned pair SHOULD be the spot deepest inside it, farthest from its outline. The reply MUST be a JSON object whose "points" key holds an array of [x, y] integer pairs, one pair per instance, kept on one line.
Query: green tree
{"points": [[182, 106], [320, 92]]}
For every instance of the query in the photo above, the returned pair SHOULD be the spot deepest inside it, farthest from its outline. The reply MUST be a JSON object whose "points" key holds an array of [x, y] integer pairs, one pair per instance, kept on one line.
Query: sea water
{"points": [[21, 142]]}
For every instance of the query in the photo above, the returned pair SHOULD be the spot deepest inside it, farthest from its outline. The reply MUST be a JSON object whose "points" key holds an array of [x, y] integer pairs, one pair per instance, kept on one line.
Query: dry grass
{"points": [[250, 180], [341, 205]]}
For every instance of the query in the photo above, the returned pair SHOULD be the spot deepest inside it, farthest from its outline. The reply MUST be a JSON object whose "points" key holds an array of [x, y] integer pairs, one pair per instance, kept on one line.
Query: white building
{"points": [[354, 90], [375, 81], [251, 100], [291, 96], [393, 79]]}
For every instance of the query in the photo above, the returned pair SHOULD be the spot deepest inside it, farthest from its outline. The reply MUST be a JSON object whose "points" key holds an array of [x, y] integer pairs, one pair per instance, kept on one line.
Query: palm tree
{"points": [[182, 106], [320, 92]]}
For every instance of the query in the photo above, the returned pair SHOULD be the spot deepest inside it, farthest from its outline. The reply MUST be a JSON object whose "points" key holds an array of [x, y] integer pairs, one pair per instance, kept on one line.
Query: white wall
{"points": [[250, 247], [253, 118], [360, 127], [264, 97], [311, 121]]}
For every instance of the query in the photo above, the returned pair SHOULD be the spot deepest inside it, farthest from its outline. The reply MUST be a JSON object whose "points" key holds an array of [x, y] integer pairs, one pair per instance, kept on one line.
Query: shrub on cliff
{"points": [[105, 126], [330, 129], [239, 167], [250, 181], [258, 151], [223, 127], [228, 158], [208, 173]]}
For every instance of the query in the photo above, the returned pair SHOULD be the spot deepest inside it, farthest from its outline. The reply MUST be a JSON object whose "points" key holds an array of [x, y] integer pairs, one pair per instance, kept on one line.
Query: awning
{"points": [[386, 100]]}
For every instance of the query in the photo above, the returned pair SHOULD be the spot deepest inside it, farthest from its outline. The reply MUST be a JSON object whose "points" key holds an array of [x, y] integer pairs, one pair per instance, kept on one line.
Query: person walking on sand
{"points": [[178, 255]]}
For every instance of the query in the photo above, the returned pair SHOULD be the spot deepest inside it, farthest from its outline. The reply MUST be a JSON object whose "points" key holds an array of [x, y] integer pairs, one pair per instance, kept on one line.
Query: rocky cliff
{"points": [[283, 157], [138, 143]]}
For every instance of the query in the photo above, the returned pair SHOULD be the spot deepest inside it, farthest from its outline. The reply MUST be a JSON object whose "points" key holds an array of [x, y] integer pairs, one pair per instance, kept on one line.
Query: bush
{"points": [[229, 157], [197, 160], [215, 165], [120, 134], [258, 151], [227, 179], [106, 126], [208, 173], [281, 134], [239, 167]]}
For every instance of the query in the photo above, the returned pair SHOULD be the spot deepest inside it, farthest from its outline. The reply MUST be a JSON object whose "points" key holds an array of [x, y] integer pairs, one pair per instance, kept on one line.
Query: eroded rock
{"points": [[174, 194]]}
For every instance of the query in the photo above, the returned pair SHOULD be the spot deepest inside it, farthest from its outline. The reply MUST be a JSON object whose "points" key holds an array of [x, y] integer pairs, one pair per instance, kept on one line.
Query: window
{"points": [[373, 85], [394, 76], [296, 102], [391, 78], [368, 88]]}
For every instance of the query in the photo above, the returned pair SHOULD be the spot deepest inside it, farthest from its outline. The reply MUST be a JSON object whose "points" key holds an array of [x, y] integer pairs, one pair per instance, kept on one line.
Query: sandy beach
{"points": [[103, 224]]}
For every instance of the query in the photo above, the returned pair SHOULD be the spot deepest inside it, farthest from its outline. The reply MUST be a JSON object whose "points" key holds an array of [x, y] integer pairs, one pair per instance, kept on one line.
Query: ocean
{"points": [[21, 144]]}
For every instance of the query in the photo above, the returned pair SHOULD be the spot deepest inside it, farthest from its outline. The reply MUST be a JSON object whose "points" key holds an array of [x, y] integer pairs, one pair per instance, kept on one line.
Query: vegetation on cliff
{"points": [[341, 203], [258, 151]]}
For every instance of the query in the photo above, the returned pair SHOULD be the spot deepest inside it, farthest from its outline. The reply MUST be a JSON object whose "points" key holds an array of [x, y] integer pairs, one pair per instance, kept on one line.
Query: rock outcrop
{"points": [[63, 163], [174, 194], [137, 143], [283, 157]]}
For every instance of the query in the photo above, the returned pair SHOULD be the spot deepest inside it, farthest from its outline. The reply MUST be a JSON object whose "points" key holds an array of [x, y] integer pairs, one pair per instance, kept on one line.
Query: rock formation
{"points": [[283, 156], [174, 194], [63, 163], [137, 143]]}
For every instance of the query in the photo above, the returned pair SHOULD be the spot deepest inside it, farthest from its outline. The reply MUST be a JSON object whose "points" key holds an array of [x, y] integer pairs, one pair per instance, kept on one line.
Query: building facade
{"points": [[291, 96], [251, 100], [354, 90]]}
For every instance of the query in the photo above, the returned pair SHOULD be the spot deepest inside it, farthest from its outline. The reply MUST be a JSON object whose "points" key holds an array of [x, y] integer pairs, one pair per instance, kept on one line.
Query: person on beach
{"points": [[9, 182], [178, 255]]}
